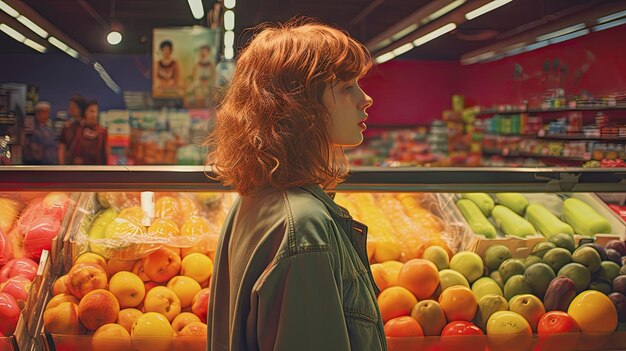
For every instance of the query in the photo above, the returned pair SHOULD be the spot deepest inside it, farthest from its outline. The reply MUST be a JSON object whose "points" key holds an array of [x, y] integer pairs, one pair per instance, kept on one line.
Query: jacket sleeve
{"points": [[299, 306]]}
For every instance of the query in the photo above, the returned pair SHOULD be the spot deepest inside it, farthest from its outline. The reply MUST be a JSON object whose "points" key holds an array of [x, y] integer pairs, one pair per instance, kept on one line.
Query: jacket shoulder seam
{"points": [[291, 230]]}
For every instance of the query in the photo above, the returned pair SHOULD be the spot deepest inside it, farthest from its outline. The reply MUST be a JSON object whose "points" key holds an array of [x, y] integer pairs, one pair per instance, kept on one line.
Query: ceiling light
{"points": [[71, 52], [229, 38], [569, 36], [611, 17], [609, 25], [485, 8], [385, 57], [197, 10], [59, 44], [12, 33], [34, 45], [114, 37], [560, 32], [229, 20], [402, 49], [8, 9], [229, 4], [442, 11], [32, 26], [434, 34], [229, 52]]}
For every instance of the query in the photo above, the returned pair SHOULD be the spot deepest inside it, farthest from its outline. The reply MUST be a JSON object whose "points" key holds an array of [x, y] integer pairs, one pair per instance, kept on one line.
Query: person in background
{"points": [[42, 148], [75, 109], [90, 146], [291, 266], [166, 72]]}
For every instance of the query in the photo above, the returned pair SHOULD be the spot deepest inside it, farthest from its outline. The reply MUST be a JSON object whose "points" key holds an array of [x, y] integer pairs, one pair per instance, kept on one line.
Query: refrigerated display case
{"points": [[428, 192]]}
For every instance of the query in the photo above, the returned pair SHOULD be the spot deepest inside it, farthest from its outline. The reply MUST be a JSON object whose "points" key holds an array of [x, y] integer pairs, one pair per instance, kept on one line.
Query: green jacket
{"points": [[291, 273]]}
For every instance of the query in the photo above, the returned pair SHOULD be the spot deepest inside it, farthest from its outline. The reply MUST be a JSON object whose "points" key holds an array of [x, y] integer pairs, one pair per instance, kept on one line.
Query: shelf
{"points": [[409, 179], [524, 154], [580, 137], [552, 110]]}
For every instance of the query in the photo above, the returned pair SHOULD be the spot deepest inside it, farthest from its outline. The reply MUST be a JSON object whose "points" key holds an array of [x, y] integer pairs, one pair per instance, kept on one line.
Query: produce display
{"points": [[28, 225], [558, 289], [547, 215]]}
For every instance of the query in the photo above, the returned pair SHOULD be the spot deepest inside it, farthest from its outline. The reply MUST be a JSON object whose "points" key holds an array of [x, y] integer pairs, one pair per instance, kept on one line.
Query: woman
{"points": [[76, 110], [291, 269], [90, 147]]}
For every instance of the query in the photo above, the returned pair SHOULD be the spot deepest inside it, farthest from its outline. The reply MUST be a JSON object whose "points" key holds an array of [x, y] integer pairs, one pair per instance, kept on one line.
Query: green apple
{"points": [[488, 305], [430, 316], [539, 277], [516, 285], [469, 264], [448, 278], [578, 273], [528, 306], [485, 286], [557, 258], [511, 267], [588, 257], [438, 256], [495, 255]]}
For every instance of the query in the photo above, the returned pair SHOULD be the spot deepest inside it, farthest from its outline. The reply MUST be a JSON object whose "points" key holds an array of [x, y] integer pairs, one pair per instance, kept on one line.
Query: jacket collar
{"points": [[316, 191]]}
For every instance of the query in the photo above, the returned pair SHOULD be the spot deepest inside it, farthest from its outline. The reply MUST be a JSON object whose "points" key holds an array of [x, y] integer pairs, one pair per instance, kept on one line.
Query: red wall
{"points": [[415, 92]]}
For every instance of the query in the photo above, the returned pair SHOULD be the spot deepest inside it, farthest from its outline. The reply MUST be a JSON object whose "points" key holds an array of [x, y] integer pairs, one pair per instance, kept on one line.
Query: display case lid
{"points": [[198, 178]]}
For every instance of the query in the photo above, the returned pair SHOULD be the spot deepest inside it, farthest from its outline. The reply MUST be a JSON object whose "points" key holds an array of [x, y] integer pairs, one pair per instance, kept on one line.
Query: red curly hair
{"points": [[272, 127]]}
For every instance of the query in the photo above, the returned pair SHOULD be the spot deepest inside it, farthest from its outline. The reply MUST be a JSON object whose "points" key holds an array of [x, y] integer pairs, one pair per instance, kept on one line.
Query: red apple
{"points": [[555, 322], [55, 205], [18, 287], [456, 328], [9, 314], [39, 236], [19, 266], [6, 249], [200, 304]]}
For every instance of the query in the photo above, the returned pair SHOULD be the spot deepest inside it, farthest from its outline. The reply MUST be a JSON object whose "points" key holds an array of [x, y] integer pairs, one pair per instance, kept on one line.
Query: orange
{"points": [[164, 228], [458, 303], [420, 276], [594, 312], [395, 302], [393, 270], [403, 327], [381, 277], [97, 308]]}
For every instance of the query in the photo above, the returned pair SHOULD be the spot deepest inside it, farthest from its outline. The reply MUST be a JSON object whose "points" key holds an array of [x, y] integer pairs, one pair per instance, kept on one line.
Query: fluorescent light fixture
{"points": [[114, 37], [59, 44], [485, 8], [609, 25], [402, 49], [197, 10], [106, 78], [8, 9], [32, 26], [442, 11], [569, 36], [434, 34], [560, 32], [71, 52], [229, 4], [229, 38], [229, 20], [535, 46], [12, 33], [611, 17], [478, 58], [229, 52], [34, 45], [404, 32], [384, 57]]}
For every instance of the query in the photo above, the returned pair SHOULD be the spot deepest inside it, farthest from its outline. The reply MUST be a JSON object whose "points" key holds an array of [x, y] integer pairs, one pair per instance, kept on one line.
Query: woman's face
{"points": [[346, 102], [91, 115]]}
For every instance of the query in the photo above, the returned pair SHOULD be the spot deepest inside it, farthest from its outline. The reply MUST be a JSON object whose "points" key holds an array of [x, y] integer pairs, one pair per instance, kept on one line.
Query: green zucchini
{"points": [[546, 222], [511, 223], [482, 200], [584, 219], [515, 201], [476, 219]]}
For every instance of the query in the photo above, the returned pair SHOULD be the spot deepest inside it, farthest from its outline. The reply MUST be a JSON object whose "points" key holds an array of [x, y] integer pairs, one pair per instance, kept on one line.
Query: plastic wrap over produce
{"points": [[115, 225], [401, 226], [29, 222]]}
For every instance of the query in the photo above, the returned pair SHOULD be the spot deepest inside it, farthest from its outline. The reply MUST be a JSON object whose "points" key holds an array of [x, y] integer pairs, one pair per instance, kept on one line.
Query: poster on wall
{"points": [[184, 65]]}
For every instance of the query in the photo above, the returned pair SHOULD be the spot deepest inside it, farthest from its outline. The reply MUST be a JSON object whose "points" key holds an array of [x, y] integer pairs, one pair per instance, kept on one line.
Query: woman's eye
{"points": [[349, 87]]}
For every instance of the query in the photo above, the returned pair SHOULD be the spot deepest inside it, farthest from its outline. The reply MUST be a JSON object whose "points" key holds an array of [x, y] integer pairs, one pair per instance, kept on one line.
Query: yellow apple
{"points": [[197, 266], [60, 285], [111, 337], [86, 277], [139, 271], [127, 288], [185, 288], [60, 298], [115, 266], [151, 332], [182, 320], [127, 317], [164, 301], [91, 257], [161, 265]]}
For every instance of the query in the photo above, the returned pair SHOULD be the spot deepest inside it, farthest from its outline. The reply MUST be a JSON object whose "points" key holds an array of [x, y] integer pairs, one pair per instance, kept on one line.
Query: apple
{"points": [[55, 204], [528, 306], [197, 266], [150, 285], [182, 320], [456, 328], [555, 322], [6, 248], [9, 211], [127, 317], [115, 266], [111, 337], [19, 266], [59, 299], [39, 235], [17, 286], [164, 301], [60, 286], [185, 288], [139, 271], [200, 304], [127, 288], [91, 257], [162, 265], [86, 277], [151, 331], [9, 314]]}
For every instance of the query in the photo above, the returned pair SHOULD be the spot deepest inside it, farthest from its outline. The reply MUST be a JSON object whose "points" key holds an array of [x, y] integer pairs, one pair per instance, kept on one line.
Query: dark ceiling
{"points": [[88, 21]]}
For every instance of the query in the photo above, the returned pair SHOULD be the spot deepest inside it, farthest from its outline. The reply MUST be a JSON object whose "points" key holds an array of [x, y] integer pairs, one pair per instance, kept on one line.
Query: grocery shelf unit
{"points": [[362, 179], [550, 110]]}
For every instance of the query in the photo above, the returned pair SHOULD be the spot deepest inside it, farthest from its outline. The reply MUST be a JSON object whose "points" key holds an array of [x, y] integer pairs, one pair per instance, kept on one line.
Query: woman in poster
{"points": [[166, 72]]}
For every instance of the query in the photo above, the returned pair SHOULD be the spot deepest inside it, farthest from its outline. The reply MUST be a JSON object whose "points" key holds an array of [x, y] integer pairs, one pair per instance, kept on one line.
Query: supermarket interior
{"points": [[490, 174]]}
